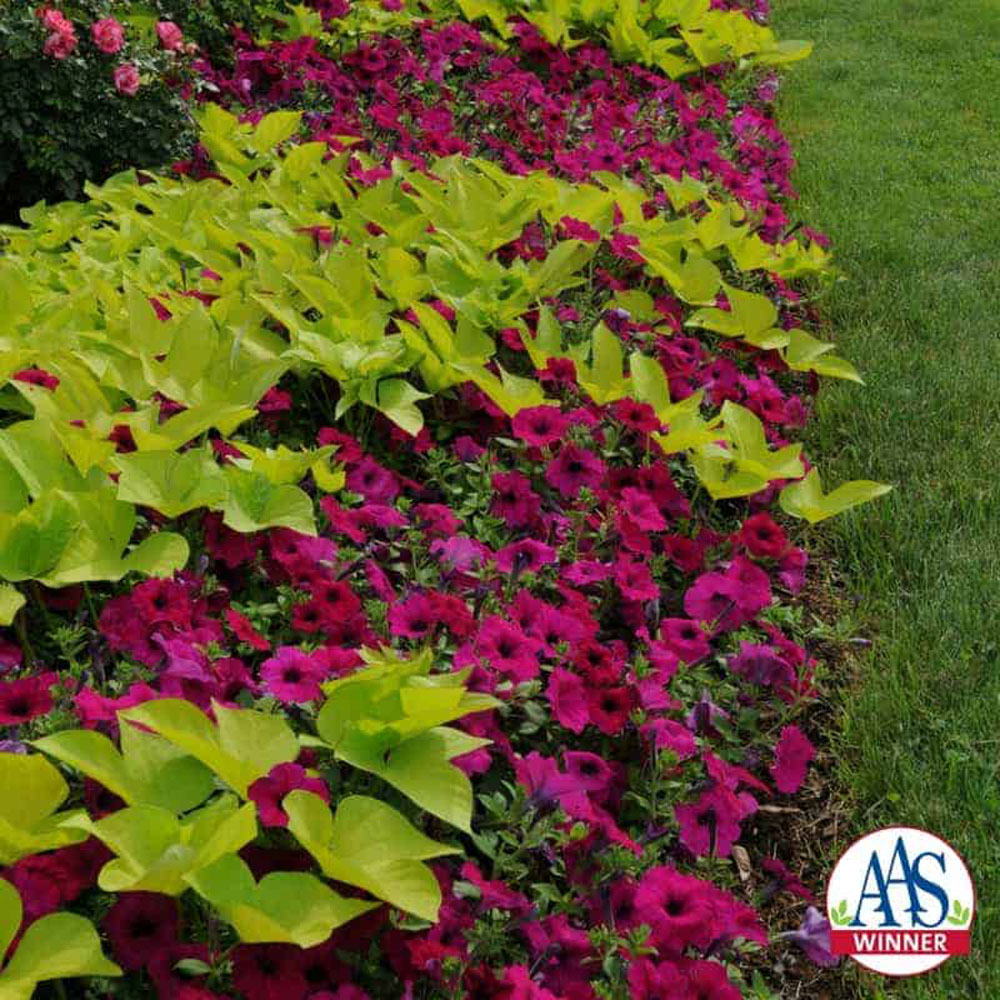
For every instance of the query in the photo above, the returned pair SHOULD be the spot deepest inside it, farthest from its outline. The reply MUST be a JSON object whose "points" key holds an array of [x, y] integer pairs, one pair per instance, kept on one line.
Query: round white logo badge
{"points": [[900, 902]]}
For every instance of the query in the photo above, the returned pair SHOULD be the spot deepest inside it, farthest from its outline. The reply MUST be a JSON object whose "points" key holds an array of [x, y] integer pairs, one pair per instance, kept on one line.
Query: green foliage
{"points": [[806, 498], [31, 790], [156, 852], [77, 289], [369, 844], [147, 770], [56, 946], [291, 907], [241, 746], [390, 720]]}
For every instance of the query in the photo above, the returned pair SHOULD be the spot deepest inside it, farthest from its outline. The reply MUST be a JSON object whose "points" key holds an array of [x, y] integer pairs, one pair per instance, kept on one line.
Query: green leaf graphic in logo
{"points": [[959, 915], [840, 915]]}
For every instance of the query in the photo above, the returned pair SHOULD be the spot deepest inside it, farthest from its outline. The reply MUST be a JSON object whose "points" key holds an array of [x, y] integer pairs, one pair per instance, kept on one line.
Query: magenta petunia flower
{"points": [[507, 649], [140, 925], [267, 971], [670, 735], [685, 638], [638, 509], [567, 696], [414, 618], [291, 676], [791, 759], [26, 698], [526, 556], [635, 581], [610, 708], [373, 481], [268, 793], [573, 469], [714, 598], [514, 500], [761, 664], [711, 825], [763, 536], [539, 425], [679, 909], [709, 979]]}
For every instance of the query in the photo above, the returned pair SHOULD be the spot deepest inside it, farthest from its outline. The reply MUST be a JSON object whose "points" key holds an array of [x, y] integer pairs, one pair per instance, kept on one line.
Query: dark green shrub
{"points": [[64, 121]]}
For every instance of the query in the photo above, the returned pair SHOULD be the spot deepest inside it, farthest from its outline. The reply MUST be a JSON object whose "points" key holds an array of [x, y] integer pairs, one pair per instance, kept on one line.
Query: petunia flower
{"points": [[414, 618], [572, 469], [526, 556], [791, 759], [269, 792], [293, 677], [26, 698], [711, 825], [140, 925], [539, 426], [514, 500], [567, 697], [813, 937]]}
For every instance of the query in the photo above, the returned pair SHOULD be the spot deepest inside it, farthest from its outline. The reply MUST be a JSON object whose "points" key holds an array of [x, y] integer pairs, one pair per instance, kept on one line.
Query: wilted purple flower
{"points": [[813, 937]]}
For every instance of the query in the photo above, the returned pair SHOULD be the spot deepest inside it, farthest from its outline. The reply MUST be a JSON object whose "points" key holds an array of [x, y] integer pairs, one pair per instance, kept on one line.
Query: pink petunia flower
{"points": [[268, 793], [539, 425], [293, 677], [573, 469], [791, 759]]}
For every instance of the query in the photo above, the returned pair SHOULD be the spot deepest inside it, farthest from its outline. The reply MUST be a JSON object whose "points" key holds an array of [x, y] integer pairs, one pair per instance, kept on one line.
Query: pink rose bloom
{"points": [[60, 44], [108, 35], [54, 20], [171, 37], [126, 79]]}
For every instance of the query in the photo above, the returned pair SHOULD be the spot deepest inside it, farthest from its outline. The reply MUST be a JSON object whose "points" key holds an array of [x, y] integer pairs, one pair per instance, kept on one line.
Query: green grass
{"points": [[895, 121]]}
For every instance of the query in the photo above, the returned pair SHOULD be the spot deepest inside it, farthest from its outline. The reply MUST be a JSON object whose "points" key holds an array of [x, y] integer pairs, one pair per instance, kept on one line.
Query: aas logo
{"points": [[900, 902]]}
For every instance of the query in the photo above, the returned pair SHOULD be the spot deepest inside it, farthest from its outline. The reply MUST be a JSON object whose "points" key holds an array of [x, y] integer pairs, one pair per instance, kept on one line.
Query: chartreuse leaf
{"points": [[147, 771], [31, 790], [155, 850], [289, 907], [169, 482], [11, 601], [255, 503], [280, 466], [750, 315], [274, 128], [370, 845], [56, 946], [807, 500], [242, 746], [419, 767], [745, 464], [33, 540], [805, 353], [389, 720], [161, 554]]}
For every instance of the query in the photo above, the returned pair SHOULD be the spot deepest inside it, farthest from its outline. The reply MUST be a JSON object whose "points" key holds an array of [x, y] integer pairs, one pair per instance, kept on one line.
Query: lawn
{"points": [[895, 122]]}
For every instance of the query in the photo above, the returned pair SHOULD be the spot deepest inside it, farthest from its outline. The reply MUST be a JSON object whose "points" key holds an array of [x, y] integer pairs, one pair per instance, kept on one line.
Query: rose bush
{"points": [[83, 96]]}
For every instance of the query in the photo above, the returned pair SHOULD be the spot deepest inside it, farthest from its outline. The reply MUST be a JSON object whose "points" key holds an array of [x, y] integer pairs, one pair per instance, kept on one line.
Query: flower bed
{"points": [[443, 400]]}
